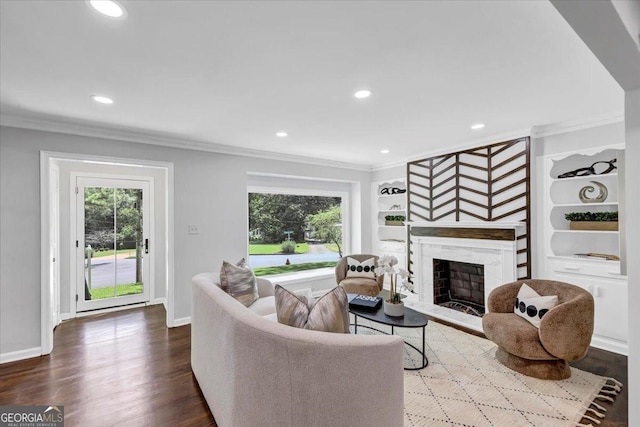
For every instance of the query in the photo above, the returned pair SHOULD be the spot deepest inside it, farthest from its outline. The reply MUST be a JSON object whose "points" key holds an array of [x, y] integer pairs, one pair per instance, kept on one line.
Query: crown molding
{"points": [[535, 132], [391, 165], [59, 125], [577, 125], [491, 139]]}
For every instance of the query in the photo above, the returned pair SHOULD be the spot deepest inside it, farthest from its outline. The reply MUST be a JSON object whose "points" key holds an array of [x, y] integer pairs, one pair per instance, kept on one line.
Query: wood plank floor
{"points": [[126, 368]]}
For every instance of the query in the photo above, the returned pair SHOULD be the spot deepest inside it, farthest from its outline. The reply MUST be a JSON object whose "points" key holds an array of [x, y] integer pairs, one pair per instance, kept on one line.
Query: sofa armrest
{"points": [[566, 329], [503, 298], [265, 287]]}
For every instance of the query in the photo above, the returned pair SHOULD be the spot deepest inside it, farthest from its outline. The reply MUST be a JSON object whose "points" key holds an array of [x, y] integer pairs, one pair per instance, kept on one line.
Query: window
{"points": [[291, 232]]}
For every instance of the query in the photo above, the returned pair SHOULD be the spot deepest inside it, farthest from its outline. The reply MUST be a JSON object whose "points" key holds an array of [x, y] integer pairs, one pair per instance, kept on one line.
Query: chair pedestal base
{"points": [[544, 369]]}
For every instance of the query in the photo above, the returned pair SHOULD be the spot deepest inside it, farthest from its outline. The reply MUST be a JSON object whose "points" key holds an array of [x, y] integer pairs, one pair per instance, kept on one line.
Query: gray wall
{"points": [[389, 173], [210, 190]]}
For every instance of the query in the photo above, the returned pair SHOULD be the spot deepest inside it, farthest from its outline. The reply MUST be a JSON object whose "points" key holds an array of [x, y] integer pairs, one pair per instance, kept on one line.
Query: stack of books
{"points": [[365, 302]]}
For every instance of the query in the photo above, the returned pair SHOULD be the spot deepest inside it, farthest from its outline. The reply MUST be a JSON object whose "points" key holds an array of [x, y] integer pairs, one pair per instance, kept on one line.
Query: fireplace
{"points": [[489, 250], [459, 286]]}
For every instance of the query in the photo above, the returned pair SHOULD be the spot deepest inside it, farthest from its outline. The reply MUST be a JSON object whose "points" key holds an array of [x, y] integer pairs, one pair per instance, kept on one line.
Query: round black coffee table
{"points": [[411, 319]]}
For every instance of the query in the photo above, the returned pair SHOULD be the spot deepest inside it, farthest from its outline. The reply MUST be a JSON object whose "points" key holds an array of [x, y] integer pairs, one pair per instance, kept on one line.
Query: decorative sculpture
{"points": [[392, 190], [601, 197], [597, 168]]}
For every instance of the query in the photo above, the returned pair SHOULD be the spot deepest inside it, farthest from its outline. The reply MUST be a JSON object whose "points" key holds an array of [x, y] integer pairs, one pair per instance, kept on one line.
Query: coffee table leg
{"points": [[425, 361], [356, 323], [423, 355]]}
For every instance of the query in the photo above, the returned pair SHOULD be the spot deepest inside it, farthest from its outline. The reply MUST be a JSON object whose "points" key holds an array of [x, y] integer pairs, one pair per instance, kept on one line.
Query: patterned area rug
{"points": [[465, 386]]}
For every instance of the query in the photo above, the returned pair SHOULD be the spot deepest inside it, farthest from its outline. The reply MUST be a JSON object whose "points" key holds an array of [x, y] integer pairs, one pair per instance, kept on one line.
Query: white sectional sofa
{"points": [[256, 372]]}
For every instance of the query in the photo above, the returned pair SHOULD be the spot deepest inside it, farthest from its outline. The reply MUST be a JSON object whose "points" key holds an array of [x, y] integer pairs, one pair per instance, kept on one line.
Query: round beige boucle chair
{"points": [[358, 285], [564, 335]]}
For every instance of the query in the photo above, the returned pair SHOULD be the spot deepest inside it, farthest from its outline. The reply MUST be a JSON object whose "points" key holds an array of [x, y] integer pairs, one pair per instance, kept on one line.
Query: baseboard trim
{"points": [[14, 356], [181, 322], [162, 301], [609, 344]]}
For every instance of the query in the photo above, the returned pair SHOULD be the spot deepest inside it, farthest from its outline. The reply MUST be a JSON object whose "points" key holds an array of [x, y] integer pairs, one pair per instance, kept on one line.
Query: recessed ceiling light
{"points": [[364, 93], [282, 134], [107, 7], [385, 151], [102, 99], [477, 126]]}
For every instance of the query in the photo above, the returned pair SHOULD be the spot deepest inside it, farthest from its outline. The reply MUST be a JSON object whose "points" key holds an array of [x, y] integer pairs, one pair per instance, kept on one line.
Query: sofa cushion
{"points": [[531, 306], [365, 268], [329, 313], [239, 281], [264, 306]]}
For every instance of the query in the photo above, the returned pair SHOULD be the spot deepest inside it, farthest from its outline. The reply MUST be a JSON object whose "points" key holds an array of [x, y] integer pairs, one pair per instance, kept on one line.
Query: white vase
{"points": [[393, 310]]}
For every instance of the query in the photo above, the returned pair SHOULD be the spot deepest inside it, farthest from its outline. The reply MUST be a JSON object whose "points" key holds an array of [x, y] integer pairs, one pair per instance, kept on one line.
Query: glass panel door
{"points": [[112, 221]]}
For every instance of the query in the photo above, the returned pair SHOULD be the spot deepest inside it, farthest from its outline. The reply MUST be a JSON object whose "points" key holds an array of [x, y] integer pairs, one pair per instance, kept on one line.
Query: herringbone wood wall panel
{"points": [[490, 183]]}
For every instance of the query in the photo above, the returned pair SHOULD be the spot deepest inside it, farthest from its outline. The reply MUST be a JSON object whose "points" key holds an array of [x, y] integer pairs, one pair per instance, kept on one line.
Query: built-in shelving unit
{"points": [[565, 248], [390, 239], [564, 198]]}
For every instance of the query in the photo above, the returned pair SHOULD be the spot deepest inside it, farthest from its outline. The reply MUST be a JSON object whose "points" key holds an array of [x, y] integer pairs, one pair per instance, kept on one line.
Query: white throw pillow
{"points": [[532, 306], [365, 268]]}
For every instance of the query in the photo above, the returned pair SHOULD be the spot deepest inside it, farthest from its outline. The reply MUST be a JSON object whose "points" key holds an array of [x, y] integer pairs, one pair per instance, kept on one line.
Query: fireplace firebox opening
{"points": [[459, 286]]}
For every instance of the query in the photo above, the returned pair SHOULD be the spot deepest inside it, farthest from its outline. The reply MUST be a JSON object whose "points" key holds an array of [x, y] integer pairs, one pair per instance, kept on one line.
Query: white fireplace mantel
{"points": [[507, 225]]}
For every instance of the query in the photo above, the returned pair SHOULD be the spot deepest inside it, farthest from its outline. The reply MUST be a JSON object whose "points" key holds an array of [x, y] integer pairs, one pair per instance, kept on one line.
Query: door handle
{"points": [[146, 246]]}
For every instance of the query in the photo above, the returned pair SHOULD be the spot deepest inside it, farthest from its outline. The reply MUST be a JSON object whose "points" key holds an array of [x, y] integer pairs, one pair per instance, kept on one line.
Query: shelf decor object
{"points": [[483, 184], [388, 191], [597, 168], [592, 221], [602, 194], [395, 220], [593, 255], [387, 264]]}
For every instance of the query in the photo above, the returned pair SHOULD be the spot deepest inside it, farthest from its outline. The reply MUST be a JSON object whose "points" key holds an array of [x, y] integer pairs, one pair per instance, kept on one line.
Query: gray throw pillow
{"points": [[329, 313], [239, 281]]}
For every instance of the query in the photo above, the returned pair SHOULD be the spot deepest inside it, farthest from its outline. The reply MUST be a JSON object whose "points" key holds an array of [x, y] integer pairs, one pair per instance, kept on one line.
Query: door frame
{"points": [[48, 307], [74, 268]]}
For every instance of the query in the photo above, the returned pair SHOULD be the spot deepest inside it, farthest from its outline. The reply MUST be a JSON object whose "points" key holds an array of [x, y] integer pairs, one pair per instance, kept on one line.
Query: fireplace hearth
{"points": [[459, 286]]}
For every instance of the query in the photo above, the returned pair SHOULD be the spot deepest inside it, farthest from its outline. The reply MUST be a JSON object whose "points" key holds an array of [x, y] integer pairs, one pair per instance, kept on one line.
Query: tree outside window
{"points": [[293, 232]]}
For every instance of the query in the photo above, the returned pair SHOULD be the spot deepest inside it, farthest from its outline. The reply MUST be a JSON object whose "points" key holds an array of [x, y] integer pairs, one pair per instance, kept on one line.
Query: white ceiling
{"points": [[234, 73]]}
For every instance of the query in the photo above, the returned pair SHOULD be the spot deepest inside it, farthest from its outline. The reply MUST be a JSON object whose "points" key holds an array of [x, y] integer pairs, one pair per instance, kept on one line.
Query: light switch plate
{"points": [[194, 229]]}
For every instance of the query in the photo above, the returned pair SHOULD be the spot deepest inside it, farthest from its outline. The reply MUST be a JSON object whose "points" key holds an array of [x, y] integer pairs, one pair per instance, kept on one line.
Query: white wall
{"points": [[632, 123], [591, 137], [210, 191]]}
